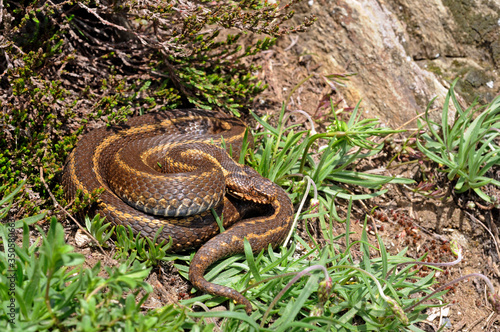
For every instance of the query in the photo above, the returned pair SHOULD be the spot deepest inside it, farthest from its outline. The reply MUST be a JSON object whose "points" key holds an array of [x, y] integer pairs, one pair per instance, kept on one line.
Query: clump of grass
{"points": [[285, 154], [467, 148], [44, 286], [51, 289]]}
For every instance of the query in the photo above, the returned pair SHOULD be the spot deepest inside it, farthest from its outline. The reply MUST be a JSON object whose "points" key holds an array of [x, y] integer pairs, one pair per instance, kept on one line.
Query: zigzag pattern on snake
{"points": [[182, 147]]}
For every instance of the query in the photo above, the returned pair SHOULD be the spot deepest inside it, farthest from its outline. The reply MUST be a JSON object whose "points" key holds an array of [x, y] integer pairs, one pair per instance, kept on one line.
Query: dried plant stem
{"points": [[472, 275], [297, 214], [57, 205], [487, 229]]}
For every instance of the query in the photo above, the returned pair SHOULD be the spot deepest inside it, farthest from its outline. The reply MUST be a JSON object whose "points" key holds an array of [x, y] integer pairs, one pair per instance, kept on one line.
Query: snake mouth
{"points": [[249, 197]]}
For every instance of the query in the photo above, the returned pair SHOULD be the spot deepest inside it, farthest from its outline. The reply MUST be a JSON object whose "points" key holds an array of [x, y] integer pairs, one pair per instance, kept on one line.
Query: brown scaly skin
{"points": [[105, 157], [272, 228]]}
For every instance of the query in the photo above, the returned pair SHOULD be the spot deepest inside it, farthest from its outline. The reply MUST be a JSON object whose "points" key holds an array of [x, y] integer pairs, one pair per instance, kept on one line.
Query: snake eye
{"points": [[263, 190]]}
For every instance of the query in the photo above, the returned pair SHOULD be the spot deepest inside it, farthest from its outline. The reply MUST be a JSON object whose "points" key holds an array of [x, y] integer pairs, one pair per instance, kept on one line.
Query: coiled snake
{"points": [[167, 169]]}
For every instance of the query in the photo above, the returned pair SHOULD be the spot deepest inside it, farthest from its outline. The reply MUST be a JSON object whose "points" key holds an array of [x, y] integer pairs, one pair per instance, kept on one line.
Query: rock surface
{"points": [[403, 52]]}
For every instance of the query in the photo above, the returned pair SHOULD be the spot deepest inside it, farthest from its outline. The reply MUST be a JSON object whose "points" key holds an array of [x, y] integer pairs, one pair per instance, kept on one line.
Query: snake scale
{"points": [[168, 169]]}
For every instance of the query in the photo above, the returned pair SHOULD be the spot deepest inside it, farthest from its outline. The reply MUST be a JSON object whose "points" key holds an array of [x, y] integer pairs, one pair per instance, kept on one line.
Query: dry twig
{"points": [[59, 206]]}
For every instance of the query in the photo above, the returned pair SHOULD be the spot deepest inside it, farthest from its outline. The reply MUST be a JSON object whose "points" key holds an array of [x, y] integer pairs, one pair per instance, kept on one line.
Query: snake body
{"points": [[168, 169]]}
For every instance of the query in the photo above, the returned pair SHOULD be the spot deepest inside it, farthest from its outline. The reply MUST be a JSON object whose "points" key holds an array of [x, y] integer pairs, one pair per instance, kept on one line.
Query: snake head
{"points": [[249, 185]]}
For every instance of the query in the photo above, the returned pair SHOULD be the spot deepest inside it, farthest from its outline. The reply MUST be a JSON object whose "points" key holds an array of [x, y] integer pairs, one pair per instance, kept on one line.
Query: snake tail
{"points": [[259, 231]]}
